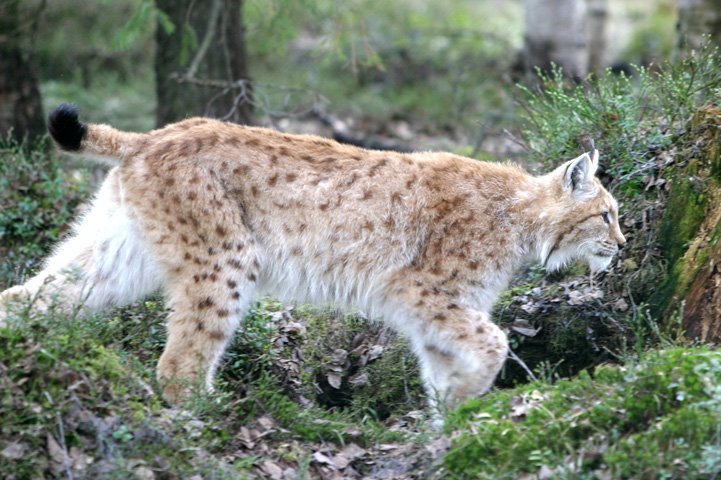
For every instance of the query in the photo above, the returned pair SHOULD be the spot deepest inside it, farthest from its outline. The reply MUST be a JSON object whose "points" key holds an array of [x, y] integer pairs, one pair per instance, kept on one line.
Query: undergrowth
{"points": [[630, 118]]}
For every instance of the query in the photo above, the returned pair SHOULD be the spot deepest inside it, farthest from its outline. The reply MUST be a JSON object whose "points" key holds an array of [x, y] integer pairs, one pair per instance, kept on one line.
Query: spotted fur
{"points": [[214, 214]]}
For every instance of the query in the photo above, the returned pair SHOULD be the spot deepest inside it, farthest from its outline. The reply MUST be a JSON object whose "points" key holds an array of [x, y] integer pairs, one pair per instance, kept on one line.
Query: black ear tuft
{"points": [[65, 128]]}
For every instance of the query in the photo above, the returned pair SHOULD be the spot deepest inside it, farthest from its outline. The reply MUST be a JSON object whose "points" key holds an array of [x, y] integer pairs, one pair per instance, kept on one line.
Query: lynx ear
{"points": [[580, 171]]}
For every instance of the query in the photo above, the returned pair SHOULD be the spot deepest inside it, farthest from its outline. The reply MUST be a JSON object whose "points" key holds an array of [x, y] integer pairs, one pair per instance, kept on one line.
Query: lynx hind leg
{"points": [[207, 302], [102, 263], [460, 352]]}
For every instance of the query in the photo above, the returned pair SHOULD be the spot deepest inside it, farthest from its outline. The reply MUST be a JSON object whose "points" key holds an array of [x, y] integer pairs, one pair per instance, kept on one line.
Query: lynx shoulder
{"points": [[214, 214]]}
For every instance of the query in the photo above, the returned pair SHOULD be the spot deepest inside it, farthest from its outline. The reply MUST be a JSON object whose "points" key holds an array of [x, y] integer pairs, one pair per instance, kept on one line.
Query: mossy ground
{"points": [[657, 416]]}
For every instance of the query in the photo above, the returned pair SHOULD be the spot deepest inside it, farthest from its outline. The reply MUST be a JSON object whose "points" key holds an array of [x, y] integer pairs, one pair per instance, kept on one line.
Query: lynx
{"points": [[214, 213]]}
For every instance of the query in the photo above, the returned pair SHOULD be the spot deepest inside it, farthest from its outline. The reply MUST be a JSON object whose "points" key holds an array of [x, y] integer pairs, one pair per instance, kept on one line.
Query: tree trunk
{"points": [[190, 81], [697, 18], [556, 32], [20, 107], [597, 21], [690, 233]]}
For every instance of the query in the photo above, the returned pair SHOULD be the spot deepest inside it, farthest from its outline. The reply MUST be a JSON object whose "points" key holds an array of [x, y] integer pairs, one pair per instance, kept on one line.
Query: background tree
{"points": [[555, 32], [697, 18], [197, 61], [20, 106]]}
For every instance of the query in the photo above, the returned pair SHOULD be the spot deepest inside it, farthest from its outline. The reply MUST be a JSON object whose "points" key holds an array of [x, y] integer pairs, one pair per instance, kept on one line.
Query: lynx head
{"points": [[583, 217]]}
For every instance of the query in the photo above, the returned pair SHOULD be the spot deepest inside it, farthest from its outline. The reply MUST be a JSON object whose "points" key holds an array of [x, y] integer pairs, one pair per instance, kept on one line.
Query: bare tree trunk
{"points": [[556, 32], [597, 21], [697, 18], [20, 106], [187, 79]]}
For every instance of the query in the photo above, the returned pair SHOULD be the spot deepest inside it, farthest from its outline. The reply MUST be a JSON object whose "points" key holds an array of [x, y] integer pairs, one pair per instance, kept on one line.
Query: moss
{"points": [[691, 209], [630, 421], [394, 385], [683, 214]]}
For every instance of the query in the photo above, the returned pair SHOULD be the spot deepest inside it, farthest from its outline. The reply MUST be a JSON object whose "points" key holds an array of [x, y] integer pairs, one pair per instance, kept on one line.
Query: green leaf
{"points": [[164, 21], [188, 43]]}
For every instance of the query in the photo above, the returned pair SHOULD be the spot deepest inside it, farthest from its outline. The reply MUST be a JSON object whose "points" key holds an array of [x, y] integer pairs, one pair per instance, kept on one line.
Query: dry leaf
{"points": [[359, 380], [523, 327], [144, 473], [14, 450], [334, 380], [272, 470], [56, 452], [620, 305], [374, 352], [524, 403], [320, 458], [339, 356]]}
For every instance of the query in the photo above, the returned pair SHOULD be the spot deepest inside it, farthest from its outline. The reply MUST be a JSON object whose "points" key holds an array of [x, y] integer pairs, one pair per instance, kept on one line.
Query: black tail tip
{"points": [[65, 128]]}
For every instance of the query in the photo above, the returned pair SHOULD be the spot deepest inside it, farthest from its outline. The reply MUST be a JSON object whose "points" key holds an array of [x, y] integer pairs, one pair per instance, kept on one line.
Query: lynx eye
{"points": [[606, 217]]}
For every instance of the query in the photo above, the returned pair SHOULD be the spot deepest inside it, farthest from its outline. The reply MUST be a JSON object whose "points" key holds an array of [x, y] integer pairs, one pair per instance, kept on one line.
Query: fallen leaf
{"points": [[266, 422], [14, 450], [523, 327], [334, 380], [339, 356], [545, 473], [353, 451], [359, 380], [386, 447], [374, 352], [55, 451], [524, 403], [144, 473], [271, 469], [321, 458], [620, 305]]}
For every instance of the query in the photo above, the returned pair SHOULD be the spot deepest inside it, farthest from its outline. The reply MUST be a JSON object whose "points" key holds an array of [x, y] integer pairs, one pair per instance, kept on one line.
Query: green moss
{"points": [[394, 385], [684, 212], [630, 420]]}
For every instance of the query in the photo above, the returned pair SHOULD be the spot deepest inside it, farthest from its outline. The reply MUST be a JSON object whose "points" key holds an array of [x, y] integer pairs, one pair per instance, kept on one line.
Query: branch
{"points": [[207, 38]]}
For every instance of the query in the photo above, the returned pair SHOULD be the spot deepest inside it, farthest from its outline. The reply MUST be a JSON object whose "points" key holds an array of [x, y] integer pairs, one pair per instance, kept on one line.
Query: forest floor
{"points": [[309, 392]]}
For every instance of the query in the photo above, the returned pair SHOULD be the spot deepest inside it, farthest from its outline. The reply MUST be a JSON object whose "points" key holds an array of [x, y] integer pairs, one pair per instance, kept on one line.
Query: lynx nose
{"points": [[621, 242]]}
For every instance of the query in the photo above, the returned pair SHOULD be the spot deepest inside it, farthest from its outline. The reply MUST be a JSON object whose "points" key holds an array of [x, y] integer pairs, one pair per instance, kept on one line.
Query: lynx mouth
{"points": [[605, 253]]}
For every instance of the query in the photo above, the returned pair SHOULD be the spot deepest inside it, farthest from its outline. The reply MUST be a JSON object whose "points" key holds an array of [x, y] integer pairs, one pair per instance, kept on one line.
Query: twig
{"points": [[66, 456], [207, 38], [516, 140], [514, 357]]}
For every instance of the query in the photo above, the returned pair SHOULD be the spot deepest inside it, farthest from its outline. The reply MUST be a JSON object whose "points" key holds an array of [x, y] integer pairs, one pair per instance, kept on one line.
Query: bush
{"points": [[630, 118]]}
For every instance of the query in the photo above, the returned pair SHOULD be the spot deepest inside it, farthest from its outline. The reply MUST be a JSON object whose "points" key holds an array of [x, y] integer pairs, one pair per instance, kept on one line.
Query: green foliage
{"points": [[38, 198], [652, 418], [438, 63], [77, 39], [138, 24], [652, 39], [627, 117]]}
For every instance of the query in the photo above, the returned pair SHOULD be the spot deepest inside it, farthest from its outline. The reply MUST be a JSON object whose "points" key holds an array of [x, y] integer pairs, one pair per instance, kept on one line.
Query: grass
{"points": [[79, 394]]}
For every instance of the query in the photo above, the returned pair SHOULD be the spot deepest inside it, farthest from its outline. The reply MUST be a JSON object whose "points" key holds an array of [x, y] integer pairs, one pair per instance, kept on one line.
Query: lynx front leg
{"points": [[460, 351], [460, 363], [207, 306]]}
